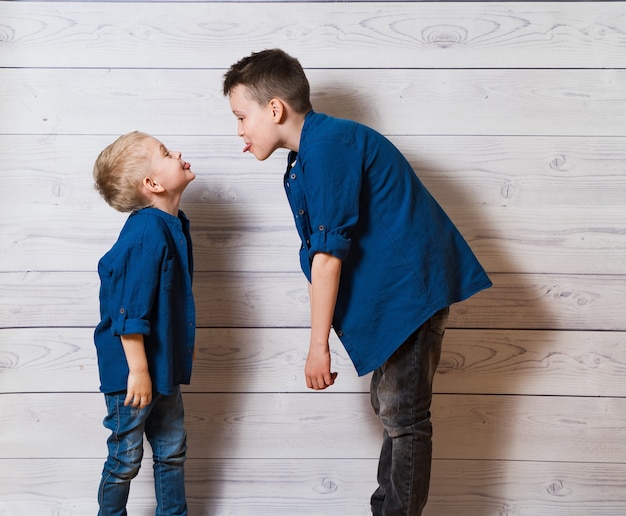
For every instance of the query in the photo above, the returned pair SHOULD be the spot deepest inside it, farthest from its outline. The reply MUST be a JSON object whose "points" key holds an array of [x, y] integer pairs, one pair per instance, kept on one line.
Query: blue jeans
{"points": [[401, 392], [162, 422]]}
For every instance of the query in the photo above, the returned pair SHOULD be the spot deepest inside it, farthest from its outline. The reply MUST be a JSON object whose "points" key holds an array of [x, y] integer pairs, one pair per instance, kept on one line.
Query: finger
{"points": [[128, 400], [329, 379]]}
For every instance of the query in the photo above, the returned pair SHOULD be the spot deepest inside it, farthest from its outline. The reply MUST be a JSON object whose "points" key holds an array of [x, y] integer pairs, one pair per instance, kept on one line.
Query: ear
{"points": [[151, 185], [277, 107]]}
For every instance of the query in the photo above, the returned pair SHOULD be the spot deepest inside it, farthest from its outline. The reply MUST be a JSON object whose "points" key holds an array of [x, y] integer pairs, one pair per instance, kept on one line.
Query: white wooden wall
{"points": [[513, 114]]}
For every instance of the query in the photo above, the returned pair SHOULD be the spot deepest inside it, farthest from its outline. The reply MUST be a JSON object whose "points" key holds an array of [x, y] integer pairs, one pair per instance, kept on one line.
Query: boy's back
{"points": [[355, 196]]}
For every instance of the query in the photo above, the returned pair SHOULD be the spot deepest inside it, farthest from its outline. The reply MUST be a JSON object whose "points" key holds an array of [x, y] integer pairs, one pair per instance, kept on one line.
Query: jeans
{"points": [[401, 392], [162, 422]]}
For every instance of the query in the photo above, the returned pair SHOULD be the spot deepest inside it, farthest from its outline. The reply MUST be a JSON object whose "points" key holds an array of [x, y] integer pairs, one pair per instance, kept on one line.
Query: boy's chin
{"points": [[260, 157]]}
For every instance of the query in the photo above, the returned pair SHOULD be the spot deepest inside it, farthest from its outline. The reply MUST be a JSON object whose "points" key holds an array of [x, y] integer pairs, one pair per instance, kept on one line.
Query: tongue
{"points": [[247, 147], [187, 166]]}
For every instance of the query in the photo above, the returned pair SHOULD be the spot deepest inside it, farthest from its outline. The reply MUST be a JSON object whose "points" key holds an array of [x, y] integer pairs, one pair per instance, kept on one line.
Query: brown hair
{"points": [[119, 171], [271, 74]]}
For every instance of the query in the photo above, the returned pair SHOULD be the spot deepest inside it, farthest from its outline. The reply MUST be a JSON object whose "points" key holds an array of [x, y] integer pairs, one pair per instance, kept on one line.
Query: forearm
{"points": [[139, 385], [325, 275], [135, 351]]}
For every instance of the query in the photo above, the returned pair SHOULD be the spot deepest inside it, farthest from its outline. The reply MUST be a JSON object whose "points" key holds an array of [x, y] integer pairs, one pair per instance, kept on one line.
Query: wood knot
{"points": [[326, 486], [444, 36], [560, 164], [557, 488]]}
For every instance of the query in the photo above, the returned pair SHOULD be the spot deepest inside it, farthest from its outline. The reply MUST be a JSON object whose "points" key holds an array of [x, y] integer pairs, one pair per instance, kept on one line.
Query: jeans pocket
{"points": [[439, 320]]}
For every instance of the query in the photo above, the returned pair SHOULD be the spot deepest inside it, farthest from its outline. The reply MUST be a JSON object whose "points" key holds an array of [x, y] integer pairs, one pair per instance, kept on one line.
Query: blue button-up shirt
{"points": [[146, 288], [355, 196]]}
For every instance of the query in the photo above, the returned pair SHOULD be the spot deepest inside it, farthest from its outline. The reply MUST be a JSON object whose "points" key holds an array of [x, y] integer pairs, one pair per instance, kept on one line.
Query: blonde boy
{"points": [[145, 338]]}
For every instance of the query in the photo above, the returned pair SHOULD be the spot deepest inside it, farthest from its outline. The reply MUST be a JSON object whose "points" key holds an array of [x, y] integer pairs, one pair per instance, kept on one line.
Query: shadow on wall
{"points": [[248, 373], [492, 353]]}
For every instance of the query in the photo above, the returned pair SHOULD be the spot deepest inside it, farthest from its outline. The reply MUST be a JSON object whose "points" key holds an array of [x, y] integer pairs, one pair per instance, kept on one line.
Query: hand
{"points": [[139, 390], [317, 369]]}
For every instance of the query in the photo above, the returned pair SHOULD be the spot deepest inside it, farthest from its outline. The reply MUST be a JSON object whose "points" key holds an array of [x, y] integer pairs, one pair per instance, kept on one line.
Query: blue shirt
{"points": [[146, 288], [355, 196]]}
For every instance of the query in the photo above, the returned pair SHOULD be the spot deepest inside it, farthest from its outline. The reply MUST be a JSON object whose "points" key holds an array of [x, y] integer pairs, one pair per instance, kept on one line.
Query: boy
{"points": [[383, 260], [145, 339]]}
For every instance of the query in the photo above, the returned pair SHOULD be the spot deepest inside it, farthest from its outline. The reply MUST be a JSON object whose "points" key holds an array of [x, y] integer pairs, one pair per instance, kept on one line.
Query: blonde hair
{"points": [[119, 171]]}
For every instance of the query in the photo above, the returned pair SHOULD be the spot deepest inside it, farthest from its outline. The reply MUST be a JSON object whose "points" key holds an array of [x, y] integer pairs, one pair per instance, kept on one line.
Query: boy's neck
{"points": [[170, 206], [293, 130]]}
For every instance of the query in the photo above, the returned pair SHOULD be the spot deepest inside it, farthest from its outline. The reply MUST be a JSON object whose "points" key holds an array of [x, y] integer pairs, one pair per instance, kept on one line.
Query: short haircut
{"points": [[271, 74], [119, 171]]}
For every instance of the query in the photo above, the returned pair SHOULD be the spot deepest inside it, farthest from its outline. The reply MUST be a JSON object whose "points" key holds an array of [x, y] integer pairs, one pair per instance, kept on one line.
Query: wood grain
{"points": [[265, 360], [459, 170], [252, 300], [396, 102], [333, 486], [262, 238], [333, 425], [376, 34]]}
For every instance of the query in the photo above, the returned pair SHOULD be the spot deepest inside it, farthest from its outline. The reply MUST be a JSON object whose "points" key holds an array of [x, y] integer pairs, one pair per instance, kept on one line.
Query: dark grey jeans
{"points": [[401, 392]]}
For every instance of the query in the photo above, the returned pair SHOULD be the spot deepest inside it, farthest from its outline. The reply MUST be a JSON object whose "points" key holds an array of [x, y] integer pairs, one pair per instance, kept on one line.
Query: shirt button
{"points": [[293, 176], [320, 227], [122, 310], [301, 212], [339, 333]]}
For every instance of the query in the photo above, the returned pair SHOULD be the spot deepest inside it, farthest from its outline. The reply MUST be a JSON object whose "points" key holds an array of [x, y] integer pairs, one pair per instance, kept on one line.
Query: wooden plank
{"points": [[334, 425], [245, 237], [458, 170], [568, 363], [525, 488], [418, 102], [256, 300], [377, 35], [328, 486], [528, 362]]}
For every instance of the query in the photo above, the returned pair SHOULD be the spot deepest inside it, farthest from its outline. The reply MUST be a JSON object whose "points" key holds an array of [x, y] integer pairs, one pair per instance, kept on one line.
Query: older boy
{"points": [[383, 260], [145, 339]]}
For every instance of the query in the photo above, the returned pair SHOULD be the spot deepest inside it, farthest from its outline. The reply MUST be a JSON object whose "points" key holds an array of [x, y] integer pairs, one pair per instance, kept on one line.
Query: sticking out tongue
{"points": [[186, 166], [247, 147]]}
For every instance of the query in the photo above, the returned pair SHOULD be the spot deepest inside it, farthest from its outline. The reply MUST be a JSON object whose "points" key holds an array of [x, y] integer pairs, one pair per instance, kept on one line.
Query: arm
{"points": [[139, 388], [325, 274]]}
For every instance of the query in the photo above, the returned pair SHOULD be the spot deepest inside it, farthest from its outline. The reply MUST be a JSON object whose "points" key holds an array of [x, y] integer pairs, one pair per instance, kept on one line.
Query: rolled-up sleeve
{"points": [[333, 186], [132, 290]]}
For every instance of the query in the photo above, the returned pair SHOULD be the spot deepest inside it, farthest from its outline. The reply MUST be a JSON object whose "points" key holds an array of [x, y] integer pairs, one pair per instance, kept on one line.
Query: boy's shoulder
{"points": [[143, 228], [320, 127]]}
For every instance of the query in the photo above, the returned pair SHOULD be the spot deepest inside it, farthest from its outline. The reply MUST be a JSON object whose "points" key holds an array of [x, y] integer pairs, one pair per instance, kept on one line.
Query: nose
{"points": [[239, 128], [178, 154]]}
